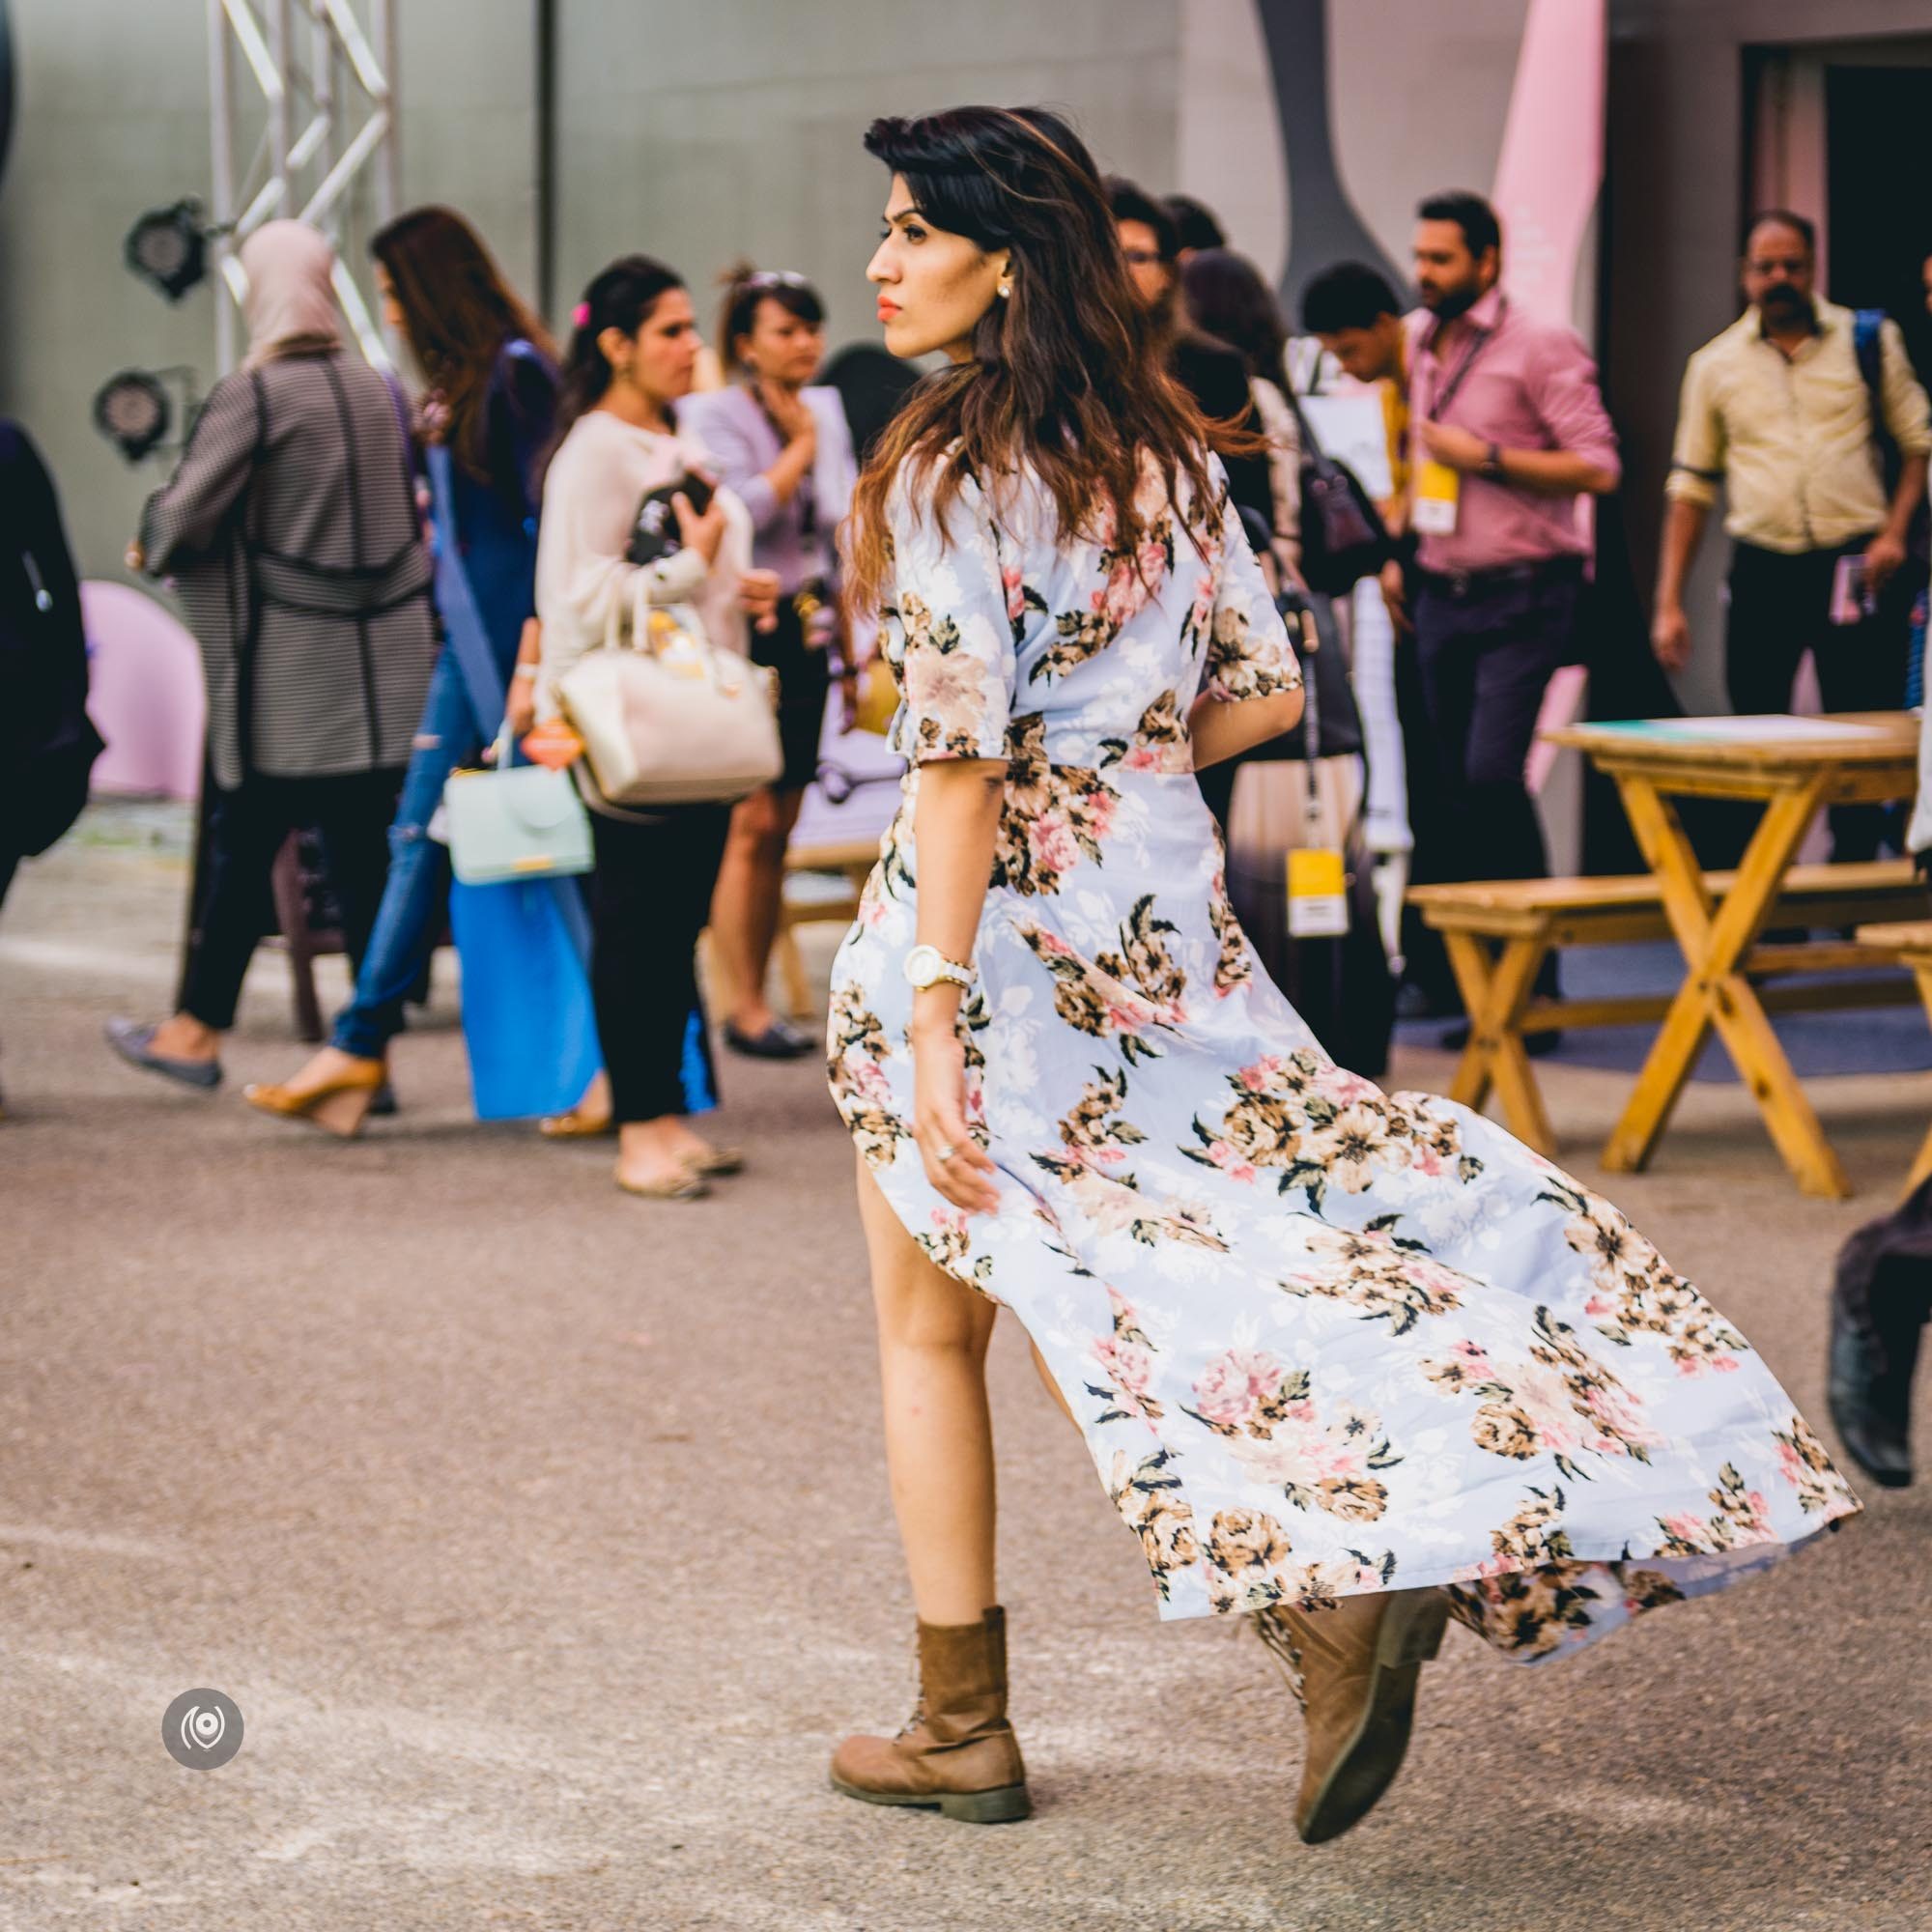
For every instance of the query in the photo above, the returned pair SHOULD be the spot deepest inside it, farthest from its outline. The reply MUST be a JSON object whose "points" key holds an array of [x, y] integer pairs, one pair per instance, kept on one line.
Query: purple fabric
{"points": [[742, 443]]}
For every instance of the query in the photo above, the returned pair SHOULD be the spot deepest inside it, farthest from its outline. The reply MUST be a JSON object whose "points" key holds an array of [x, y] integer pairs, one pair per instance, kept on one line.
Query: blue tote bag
{"points": [[527, 1016], [525, 944]]}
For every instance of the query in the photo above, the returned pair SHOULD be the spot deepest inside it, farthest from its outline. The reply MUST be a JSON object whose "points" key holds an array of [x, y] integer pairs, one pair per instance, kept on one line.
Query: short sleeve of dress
{"points": [[1248, 652], [946, 631]]}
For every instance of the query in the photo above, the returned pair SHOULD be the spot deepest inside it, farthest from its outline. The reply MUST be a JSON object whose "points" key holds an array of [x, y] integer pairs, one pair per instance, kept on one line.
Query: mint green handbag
{"points": [[515, 822]]}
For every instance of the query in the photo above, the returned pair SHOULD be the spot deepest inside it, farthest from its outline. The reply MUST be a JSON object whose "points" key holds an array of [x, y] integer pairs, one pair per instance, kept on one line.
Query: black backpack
{"points": [[47, 743]]}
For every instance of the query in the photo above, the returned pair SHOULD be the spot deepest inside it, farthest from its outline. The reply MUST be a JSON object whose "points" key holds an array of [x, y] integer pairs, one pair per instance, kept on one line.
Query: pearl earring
{"points": [[1006, 290]]}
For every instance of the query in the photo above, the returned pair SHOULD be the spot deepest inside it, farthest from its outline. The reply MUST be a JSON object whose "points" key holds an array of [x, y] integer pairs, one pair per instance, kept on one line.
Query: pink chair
{"points": [[144, 694]]}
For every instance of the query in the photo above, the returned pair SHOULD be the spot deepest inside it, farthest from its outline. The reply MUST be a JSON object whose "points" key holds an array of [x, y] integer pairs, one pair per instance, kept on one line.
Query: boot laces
{"points": [[913, 1722]]}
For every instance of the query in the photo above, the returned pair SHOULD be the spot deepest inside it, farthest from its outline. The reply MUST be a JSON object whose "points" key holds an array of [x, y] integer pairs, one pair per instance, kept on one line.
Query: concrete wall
{"points": [[1412, 111], [112, 119], [696, 133], [734, 129]]}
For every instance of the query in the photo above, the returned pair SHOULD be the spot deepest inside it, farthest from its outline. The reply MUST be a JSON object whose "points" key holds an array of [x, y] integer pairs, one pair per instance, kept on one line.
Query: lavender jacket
{"points": [[743, 445]]}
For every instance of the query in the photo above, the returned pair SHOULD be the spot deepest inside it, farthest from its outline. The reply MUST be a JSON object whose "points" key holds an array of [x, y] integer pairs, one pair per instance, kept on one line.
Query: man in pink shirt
{"points": [[1510, 433]]}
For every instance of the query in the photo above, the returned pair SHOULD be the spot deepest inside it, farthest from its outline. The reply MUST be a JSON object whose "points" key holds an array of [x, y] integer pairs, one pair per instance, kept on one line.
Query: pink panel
{"points": [[1552, 163], [144, 694], [1562, 705]]}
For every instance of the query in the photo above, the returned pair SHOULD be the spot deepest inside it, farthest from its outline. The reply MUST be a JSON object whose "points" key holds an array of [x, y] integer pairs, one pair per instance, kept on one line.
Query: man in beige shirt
{"points": [[1779, 411]]}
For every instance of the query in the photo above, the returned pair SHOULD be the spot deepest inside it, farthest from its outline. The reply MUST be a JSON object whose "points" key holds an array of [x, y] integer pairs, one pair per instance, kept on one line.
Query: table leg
{"points": [[1715, 992], [1494, 997], [1921, 1168]]}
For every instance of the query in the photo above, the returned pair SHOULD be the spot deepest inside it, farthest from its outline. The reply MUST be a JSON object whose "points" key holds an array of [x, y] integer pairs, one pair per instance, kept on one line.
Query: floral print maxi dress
{"points": [[1320, 1338]]}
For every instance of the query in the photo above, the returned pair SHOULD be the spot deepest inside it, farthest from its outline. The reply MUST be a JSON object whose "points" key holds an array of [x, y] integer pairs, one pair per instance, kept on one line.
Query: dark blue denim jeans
{"points": [[411, 911]]}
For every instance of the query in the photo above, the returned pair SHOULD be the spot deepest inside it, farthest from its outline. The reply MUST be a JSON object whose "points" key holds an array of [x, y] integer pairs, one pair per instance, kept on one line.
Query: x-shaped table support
{"points": [[1495, 993], [1713, 939]]}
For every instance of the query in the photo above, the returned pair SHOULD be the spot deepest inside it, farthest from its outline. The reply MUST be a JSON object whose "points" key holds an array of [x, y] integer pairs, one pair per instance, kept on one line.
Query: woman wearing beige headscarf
{"points": [[290, 300], [289, 534]]}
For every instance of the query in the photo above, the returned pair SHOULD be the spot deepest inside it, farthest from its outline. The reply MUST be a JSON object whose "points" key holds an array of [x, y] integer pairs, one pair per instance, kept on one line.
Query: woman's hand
{"points": [[792, 413], [519, 709], [758, 593], [704, 533], [955, 1164]]}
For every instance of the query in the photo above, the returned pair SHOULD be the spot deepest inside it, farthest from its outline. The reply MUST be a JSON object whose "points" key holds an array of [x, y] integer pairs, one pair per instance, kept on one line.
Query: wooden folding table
{"points": [[1794, 765]]}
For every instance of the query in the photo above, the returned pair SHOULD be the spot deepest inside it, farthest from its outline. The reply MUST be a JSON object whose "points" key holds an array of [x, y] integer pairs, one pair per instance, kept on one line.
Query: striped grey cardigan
{"points": [[291, 532]]}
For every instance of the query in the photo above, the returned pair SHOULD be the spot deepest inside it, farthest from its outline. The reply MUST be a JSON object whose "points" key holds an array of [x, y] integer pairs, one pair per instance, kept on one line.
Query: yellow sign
{"points": [[1317, 893], [1439, 490]]}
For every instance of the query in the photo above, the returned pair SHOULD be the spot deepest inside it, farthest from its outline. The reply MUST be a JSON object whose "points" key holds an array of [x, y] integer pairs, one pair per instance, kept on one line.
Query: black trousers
{"points": [[1486, 654], [650, 896], [246, 827], [1781, 608], [1486, 650], [1432, 854]]}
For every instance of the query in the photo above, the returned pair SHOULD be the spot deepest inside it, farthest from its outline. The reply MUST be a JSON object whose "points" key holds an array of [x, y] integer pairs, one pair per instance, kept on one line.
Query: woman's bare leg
{"points": [[933, 1333], [1053, 1388], [745, 903]]}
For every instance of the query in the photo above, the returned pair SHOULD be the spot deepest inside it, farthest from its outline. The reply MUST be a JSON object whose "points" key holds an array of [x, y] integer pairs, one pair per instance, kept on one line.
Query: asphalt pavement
{"points": [[542, 1540]]}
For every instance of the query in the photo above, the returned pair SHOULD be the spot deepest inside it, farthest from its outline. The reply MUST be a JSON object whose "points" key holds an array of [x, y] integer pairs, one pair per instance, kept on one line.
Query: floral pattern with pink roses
{"points": [[1319, 1339]]}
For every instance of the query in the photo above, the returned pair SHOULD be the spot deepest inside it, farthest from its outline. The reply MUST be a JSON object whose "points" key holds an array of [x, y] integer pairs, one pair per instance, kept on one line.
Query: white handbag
{"points": [[668, 716]]}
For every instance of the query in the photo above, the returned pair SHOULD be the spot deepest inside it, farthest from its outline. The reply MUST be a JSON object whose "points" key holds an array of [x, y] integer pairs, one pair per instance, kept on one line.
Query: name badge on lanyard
{"points": [[1439, 492], [1438, 489]]}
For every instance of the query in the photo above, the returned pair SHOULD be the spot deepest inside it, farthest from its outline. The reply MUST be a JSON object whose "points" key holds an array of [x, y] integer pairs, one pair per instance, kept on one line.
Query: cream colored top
{"points": [[600, 472], [1284, 441], [1791, 438]]}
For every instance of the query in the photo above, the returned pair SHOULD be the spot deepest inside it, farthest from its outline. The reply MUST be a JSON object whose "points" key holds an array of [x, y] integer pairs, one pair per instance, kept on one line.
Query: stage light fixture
{"points": [[132, 411], [168, 248]]}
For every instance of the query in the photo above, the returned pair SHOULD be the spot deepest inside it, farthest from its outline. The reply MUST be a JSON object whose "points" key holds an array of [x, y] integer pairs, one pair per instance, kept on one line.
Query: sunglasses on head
{"points": [[775, 278]]}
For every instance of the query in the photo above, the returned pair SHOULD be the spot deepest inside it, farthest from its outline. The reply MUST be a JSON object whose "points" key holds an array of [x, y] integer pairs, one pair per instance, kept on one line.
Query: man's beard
{"points": [[1454, 302], [1782, 303]]}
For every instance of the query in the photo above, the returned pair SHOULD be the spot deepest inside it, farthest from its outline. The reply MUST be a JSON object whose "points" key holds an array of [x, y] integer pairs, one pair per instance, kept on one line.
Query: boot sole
{"points": [[1005, 1806], [1366, 1766]]}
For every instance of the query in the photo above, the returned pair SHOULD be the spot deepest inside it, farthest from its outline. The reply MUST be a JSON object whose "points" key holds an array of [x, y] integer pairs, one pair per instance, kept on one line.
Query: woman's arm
{"points": [[181, 521], [582, 575], [955, 824], [1224, 729], [954, 650], [734, 458], [1252, 688]]}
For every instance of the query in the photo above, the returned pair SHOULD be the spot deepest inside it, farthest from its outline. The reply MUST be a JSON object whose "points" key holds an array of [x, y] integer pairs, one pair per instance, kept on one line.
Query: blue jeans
{"points": [[413, 900]]}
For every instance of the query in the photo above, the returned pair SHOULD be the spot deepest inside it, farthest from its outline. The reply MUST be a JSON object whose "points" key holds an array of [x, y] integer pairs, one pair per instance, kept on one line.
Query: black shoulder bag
{"points": [[1343, 537]]}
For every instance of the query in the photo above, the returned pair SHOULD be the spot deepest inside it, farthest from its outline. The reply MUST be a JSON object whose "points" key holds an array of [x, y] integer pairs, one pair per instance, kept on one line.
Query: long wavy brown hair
{"points": [[1066, 380], [458, 312]]}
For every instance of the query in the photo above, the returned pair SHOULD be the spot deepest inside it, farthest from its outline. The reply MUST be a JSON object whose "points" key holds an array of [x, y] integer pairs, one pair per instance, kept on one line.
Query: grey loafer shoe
{"points": [[130, 1039]]}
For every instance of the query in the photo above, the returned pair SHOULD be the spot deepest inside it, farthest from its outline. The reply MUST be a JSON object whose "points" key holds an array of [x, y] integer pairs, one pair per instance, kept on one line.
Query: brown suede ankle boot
{"points": [[1357, 1662], [956, 1754]]}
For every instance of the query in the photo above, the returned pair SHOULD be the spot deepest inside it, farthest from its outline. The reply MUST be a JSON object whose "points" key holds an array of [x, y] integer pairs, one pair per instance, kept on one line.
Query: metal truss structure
{"points": [[324, 73]]}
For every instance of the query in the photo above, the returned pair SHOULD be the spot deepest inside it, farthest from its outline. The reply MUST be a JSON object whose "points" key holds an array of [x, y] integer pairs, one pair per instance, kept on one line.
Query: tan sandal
{"points": [[338, 1106], [575, 1125], [684, 1185]]}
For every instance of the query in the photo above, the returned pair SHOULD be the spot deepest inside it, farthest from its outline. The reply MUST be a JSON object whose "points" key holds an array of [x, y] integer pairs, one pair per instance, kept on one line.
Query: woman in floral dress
{"points": [[1346, 1361]]}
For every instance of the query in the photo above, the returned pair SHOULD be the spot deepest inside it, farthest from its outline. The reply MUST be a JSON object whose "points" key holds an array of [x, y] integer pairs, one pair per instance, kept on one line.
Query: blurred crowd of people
{"points": [[326, 524]]}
